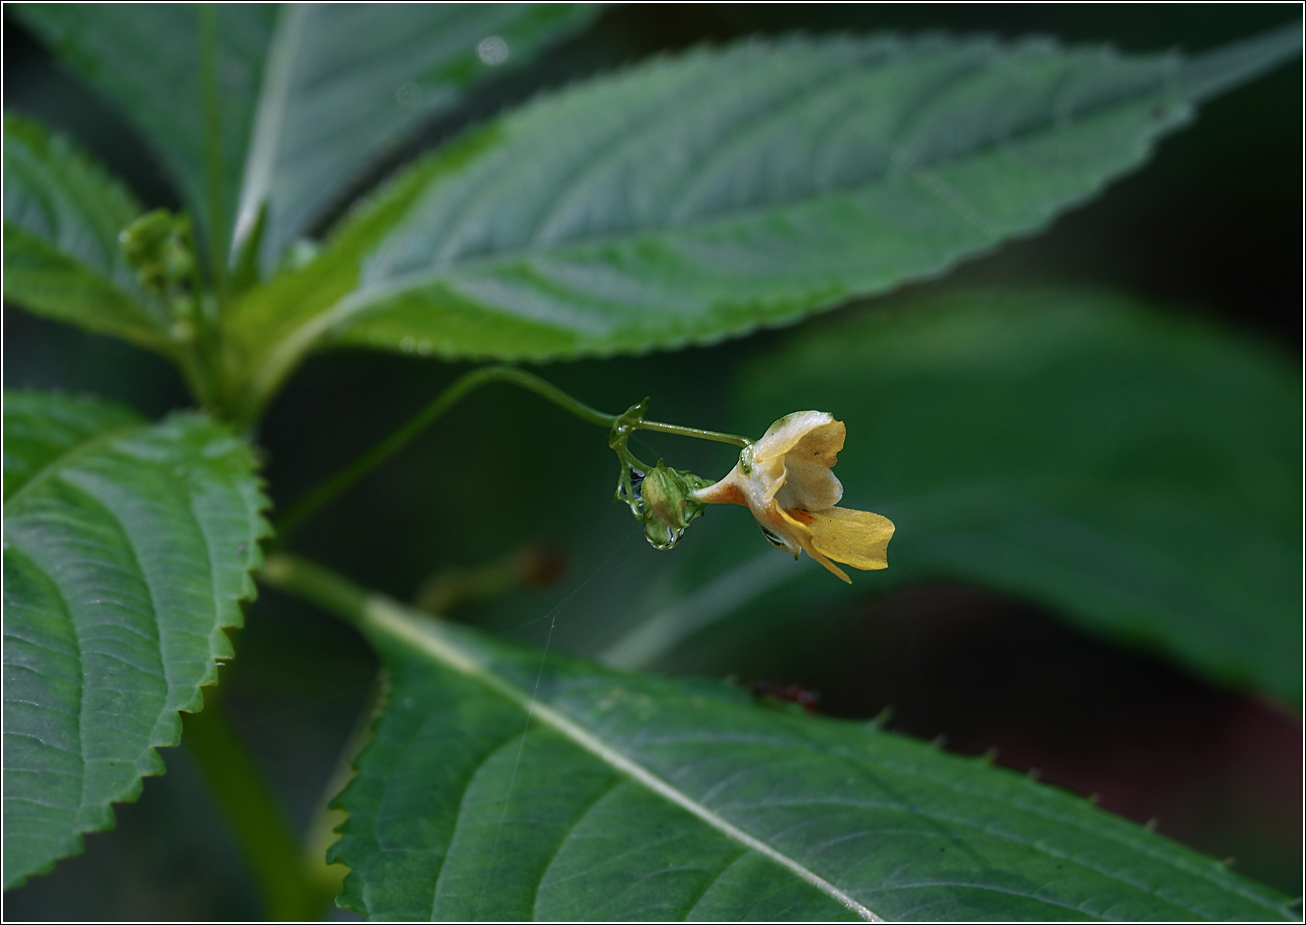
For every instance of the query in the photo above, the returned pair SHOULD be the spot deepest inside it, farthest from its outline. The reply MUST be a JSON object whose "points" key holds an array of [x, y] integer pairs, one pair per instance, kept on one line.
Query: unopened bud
{"points": [[157, 247], [664, 506], [665, 496]]}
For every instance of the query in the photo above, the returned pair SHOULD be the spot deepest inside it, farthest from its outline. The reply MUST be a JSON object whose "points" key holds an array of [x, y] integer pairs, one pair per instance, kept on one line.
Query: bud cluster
{"points": [[658, 496], [158, 246]]}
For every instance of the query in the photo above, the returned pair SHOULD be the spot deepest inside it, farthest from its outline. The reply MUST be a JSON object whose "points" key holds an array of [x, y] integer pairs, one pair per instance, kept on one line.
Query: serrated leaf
{"points": [[699, 197], [1135, 471], [190, 90], [503, 784], [346, 82], [62, 216], [127, 546]]}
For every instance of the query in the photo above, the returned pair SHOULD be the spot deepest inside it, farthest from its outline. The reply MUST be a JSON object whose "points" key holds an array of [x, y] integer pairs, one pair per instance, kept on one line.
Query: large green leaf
{"points": [[345, 82], [299, 97], [504, 784], [127, 546], [186, 75], [698, 197], [1138, 472], [62, 216]]}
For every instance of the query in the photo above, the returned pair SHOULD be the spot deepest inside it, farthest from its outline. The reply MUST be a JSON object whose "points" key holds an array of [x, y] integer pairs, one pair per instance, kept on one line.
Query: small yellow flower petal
{"points": [[799, 523], [856, 538]]}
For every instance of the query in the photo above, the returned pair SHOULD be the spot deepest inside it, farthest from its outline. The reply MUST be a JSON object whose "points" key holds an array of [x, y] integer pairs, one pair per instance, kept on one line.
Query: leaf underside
{"points": [[698, 197], [627, 797], [127, 546]]}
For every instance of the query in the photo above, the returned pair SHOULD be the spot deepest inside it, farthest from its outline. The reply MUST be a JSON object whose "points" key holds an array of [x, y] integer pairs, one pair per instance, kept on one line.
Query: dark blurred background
{"points": [[1212, 223]]}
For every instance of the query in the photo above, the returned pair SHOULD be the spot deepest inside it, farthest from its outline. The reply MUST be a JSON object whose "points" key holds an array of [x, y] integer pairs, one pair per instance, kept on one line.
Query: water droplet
{"points": [[408, 703], [424, 348], [661, 535], [409, 95], [493, 50], [407, 345]]}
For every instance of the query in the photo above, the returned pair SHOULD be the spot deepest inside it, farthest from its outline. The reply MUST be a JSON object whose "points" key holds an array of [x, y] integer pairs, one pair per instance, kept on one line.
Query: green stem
{"points": [[192, 370], [392, 444], [461, 387], [317, 585], [203, 366], [256, 819], [713, 435]]}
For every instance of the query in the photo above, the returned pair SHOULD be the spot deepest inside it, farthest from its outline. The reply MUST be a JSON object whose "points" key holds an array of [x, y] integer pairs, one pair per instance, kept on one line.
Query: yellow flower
{"points": [[785, 480]]}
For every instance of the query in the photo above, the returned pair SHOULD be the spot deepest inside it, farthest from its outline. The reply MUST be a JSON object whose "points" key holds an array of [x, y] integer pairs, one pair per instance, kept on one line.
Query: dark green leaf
{"points": [[503, 785], [1138, 472], [302, 98], [62, 217], [699, 197], [126, 549], [190, 89], [345, 82]]}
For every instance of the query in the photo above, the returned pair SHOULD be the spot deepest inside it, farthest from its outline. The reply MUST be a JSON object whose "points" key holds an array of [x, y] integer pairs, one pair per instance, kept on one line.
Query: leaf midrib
{"points": [[360, 300], [1165, 84], [303, 336], [268, 135], [395, 622]]}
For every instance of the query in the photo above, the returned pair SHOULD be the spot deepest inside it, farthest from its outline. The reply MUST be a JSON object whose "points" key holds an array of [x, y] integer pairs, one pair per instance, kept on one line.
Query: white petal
{"points": [[784, 434], [808, 485]]}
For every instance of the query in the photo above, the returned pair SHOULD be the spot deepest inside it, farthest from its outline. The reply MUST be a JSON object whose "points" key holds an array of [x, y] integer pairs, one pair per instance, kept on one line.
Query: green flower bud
{"points": [[664, 494], [660, 501], [157, 247]]}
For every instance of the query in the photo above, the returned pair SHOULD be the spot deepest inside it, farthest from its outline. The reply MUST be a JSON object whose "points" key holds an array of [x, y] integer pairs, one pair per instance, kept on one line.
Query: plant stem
{"points": [[317, 585], [461, 387], [192, 370], [713, 435], [392, 444], [203, 350], [256, 819]]}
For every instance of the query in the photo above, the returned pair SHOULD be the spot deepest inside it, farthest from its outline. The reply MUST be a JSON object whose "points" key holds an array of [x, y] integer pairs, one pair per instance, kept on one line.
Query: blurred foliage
{"points": [[1209, 229]]}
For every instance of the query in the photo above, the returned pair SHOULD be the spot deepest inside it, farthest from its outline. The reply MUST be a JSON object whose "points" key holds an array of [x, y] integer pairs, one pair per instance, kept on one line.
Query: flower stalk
{"points": [[619, 426]]}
